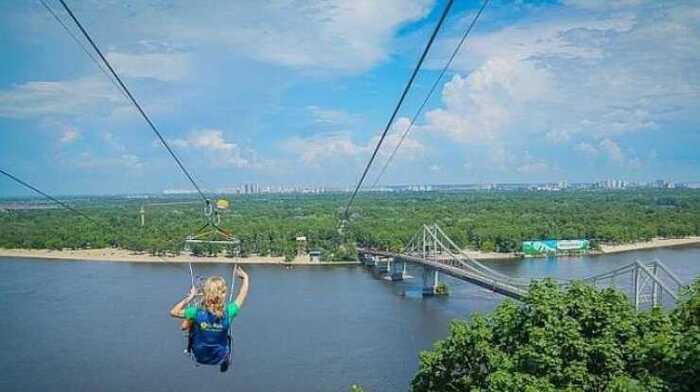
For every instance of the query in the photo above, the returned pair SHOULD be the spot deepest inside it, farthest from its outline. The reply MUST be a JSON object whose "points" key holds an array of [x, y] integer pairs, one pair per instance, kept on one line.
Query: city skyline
{"points": [[255, 188]]}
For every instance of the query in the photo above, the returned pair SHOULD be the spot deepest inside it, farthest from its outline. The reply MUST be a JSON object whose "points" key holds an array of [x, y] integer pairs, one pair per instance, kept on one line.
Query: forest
{"points": [[575, 339], [268, 224]]}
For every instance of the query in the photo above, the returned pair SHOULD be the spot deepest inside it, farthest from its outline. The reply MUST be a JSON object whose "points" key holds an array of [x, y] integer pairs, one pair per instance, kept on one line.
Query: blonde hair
{"points": [[214, 295]]}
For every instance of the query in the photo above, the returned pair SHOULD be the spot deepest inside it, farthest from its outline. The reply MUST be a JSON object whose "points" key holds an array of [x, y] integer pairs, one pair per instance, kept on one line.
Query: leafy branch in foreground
{"points": [[572, 340]]}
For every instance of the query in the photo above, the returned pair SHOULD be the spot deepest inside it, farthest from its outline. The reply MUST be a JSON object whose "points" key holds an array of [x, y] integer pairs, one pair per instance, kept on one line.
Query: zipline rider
{"points": [[210, 322]]}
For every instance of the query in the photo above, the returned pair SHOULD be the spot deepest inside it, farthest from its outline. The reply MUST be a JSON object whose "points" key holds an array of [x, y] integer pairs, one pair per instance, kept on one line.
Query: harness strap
{"points": [[230, 297], [228, 320]]}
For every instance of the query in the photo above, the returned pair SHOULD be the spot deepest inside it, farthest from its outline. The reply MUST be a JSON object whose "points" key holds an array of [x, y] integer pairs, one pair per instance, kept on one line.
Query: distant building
{"points": [[611, 184], [315, 256], [555, 247], [301, 245], [661, 184]]}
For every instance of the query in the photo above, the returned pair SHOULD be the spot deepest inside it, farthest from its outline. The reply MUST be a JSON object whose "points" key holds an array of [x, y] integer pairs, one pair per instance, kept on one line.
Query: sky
{"points": [[298, 92]]}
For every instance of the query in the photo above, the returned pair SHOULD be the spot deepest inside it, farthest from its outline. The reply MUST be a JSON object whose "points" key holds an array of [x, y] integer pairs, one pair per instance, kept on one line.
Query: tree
{"points": [[265, 224], [575, 339]]}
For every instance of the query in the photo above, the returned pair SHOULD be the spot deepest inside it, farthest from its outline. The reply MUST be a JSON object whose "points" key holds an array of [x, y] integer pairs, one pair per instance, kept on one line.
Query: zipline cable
{"points": [[62, 204], [133, 100], [73, 210], [55, 200], [398, 106], [430, 93], [82, 46]]}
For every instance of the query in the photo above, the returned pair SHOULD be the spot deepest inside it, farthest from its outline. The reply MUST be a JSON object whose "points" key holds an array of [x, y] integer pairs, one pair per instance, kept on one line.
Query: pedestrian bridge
{"points": [[646, 283]]}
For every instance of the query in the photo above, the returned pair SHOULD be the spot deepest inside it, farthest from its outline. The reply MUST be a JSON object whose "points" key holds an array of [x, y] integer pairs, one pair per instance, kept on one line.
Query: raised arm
{"points": [[178, 311], [243, 292]]}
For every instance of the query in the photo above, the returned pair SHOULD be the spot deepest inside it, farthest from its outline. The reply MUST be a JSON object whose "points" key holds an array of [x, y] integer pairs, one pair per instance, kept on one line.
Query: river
{"points": [[89, 326]]}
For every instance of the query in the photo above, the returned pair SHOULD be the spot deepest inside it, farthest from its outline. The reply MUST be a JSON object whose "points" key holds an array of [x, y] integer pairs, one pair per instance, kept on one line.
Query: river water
{"points": [[101, 326]]}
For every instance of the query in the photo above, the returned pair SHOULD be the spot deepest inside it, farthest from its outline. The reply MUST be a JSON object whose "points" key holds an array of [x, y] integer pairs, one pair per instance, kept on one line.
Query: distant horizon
{"points": [[174, 193]]}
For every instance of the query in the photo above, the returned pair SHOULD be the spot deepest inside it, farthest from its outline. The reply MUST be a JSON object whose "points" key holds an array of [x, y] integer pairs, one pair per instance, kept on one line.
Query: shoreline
{"points": [[654, 243], [127, 256]]}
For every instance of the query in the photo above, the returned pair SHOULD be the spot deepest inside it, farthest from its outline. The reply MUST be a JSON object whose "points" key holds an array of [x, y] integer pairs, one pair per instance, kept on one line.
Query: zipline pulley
{"points": [[215, 235]]}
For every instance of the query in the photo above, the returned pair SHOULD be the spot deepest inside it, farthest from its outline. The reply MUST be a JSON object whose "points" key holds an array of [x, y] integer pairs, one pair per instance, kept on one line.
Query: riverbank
{"points": [[123, 255], [604, 249], [490, 256], [653, 244]]}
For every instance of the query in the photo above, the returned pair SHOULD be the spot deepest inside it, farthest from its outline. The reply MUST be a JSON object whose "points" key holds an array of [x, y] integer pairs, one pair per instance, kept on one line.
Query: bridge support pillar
{"points": [[430, 281], [382, 264], [398, 270]]}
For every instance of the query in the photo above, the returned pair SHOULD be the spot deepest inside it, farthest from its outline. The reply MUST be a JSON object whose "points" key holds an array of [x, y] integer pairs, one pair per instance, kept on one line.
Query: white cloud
{"points": [[213, 143], [71, 97], [599, 5], [70, 135], [635, 163], [572, 75], [161, 66], [558, 135], [533, 167], [318, 149], [111, 140], [613, 150], [610, 150], [332, 118], [90, 161], [327, 34], [410, 146], [478, 107], [521, 162], [587, 149], [542, 39]]}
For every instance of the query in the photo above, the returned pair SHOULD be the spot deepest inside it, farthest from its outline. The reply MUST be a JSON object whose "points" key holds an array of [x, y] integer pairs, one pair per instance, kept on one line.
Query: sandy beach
{"points": [[486, 256], [654, 243], [123, 255]]}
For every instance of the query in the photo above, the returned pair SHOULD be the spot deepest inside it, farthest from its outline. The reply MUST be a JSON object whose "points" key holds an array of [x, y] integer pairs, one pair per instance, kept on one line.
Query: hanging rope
{"points": [[233, 282], [191, 273]]}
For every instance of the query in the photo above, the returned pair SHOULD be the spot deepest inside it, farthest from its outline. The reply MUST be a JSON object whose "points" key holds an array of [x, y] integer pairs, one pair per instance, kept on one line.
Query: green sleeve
{"points": [[190, 312], [232, 311]]}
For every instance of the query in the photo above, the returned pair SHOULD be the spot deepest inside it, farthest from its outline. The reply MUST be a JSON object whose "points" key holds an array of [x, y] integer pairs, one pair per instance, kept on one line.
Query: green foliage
{"points": [[442, 289], [289, 254], [580, 339], [268, 224]]}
